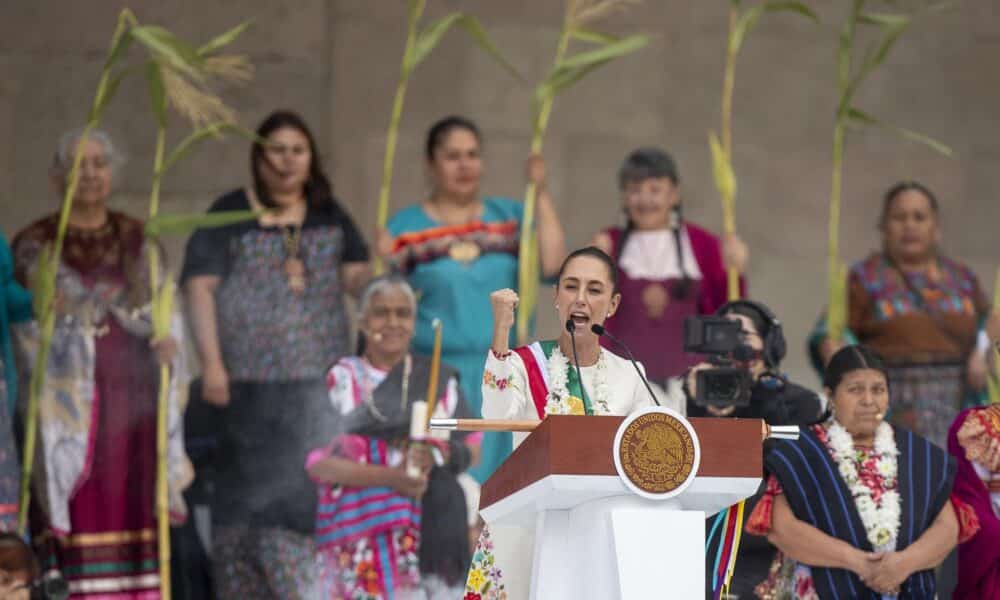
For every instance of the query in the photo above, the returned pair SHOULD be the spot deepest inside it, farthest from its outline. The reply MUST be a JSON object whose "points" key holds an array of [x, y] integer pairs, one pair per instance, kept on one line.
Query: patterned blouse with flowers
{"points": [[790, 579], [367, 538]]}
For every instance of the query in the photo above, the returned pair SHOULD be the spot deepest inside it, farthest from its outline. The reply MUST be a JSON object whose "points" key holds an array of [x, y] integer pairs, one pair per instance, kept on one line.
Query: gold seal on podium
{"points": [[657, 453]]}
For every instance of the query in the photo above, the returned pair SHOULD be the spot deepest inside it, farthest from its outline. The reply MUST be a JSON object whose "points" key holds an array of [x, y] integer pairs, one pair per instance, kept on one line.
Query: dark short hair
{"points": [[593, 252], [317, 189], [647, 163], [849, 359], [440, 130], [897, 190], [16, 555]]}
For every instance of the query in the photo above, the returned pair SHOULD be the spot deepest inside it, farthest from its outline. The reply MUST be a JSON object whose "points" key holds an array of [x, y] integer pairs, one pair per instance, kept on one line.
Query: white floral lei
{"points": [[881, 520], [558, 400]]}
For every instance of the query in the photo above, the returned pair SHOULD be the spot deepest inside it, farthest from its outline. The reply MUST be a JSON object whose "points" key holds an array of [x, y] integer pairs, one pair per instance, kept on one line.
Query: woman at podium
{"points": [[859, 508], [571, 375]]}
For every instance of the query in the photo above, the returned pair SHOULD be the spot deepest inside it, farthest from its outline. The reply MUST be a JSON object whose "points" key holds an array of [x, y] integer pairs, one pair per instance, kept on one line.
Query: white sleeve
{"points": [[505, 389], [340, 388]]}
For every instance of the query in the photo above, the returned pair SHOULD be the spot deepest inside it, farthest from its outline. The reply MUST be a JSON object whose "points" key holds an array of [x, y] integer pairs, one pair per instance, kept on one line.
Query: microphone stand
{"points": [[600, 330], [571, 328]]}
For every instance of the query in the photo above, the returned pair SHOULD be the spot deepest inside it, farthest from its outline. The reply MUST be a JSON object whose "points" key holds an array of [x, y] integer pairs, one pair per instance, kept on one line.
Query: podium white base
{"points": [[622, 547]]}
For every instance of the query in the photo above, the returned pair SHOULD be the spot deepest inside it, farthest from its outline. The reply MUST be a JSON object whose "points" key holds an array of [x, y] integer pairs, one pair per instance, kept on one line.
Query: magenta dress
{"points": [[658, 342], [104, 538]]}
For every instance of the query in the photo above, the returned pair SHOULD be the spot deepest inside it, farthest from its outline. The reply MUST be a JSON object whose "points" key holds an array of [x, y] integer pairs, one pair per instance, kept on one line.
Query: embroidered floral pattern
{"points": [[493, 382], [485, 580], [357, 571]]}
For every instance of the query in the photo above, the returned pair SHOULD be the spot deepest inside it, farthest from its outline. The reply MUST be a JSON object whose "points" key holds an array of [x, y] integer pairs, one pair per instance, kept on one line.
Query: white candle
{"points": [[418, 419]]}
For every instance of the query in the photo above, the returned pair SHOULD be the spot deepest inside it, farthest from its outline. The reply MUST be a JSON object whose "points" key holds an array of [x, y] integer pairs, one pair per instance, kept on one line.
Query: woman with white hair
{"points": [[383, 532], [95, 478]]}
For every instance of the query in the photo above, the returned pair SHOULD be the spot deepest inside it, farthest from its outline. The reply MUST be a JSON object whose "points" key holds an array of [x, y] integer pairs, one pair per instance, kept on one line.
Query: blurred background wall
{"points": [[336, 61]]}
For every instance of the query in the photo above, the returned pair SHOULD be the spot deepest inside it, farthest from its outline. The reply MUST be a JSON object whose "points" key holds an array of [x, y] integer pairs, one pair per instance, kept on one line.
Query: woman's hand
{"points": [[976, 370], [165, 349], [890, 571], [735, 253], [215, 384], [384, 242], [419, 455], [536, 171], [412, 487], [504, 302]]}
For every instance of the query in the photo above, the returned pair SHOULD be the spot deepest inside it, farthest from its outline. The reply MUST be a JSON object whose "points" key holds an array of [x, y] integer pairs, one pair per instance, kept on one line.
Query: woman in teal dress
{"points": [[455, 248], [15, 307]]}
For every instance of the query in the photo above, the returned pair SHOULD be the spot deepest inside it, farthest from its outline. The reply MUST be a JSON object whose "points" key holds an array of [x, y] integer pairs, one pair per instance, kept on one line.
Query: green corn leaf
{"points": [[475, 29], [836, 315], [157, 92], [617, 49], [576, 67], [43, 280], [428, 39], [168, 48], [120, 47], [162, 225], [722, 168], [224, 39], [893, 27], [750, 18], [593, 37], [163, 308], [216, 129], [862, 118], [105, 93]]}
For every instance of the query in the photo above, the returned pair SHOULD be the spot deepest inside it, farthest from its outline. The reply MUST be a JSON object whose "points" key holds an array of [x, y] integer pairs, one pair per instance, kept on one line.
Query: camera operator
{"points": [[743, 374], [744, 344]]}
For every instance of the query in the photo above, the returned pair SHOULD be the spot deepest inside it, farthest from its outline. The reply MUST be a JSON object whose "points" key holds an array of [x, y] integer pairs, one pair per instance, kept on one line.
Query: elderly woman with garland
{"points": [[533, 381], [382, 532], [857, 507]]}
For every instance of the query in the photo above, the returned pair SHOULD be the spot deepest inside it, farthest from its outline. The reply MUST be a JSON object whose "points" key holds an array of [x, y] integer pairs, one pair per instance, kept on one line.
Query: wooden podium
{"points": [[560, 495]]}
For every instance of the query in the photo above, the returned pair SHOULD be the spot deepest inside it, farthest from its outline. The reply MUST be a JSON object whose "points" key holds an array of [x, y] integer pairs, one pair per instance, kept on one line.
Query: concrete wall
{"points": [[337, 61]]}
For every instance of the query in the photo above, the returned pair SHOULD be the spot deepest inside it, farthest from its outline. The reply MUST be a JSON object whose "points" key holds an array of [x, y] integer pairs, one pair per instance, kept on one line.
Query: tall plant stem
{"points": [[393, 132], [728, 201], [834, 271], [47, 316], [163, 390], [528, 244]]}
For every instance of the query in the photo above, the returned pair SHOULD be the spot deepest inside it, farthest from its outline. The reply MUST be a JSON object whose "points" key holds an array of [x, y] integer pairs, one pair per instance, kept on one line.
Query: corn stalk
{"points": [[177, 73], [740, 24], [993, 379], [565, 71], [44, 280], [849, 80], [419, 44]]}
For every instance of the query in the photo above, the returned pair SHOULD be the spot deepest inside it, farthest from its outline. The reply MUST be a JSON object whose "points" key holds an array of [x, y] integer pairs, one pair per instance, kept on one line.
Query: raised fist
{"points": [[504, 302]]}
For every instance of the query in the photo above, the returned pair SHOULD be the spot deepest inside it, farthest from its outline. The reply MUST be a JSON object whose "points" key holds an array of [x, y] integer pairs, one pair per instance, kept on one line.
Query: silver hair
{"points": [[63, 160], [382, 284]]}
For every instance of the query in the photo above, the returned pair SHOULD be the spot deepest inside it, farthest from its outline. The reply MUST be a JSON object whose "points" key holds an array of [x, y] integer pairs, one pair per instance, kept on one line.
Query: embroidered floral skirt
{"points": [[501, 564], [384, 566]]}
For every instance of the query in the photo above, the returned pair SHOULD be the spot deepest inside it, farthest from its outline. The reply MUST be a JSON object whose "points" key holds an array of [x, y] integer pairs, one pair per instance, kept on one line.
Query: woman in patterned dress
{"points": [[93, 510], [372, 511], [921, 311], [266, 303]]}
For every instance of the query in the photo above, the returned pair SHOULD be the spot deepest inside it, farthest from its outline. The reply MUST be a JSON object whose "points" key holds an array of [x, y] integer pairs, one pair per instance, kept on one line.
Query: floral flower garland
{"points": [[560, 402], [880, 515]]}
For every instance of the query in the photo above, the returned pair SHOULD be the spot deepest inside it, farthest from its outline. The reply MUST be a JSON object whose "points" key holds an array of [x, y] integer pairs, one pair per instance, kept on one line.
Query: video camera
{"points": [[721, 340]]}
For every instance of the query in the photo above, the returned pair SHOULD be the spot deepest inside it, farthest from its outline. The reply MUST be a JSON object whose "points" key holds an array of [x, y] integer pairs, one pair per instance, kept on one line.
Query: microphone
{"points": [[600, 330], [571, 328]]}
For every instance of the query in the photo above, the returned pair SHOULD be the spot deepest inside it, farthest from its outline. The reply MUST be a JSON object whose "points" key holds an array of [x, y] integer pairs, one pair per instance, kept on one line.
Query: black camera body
{"points": [[718, 338]]}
